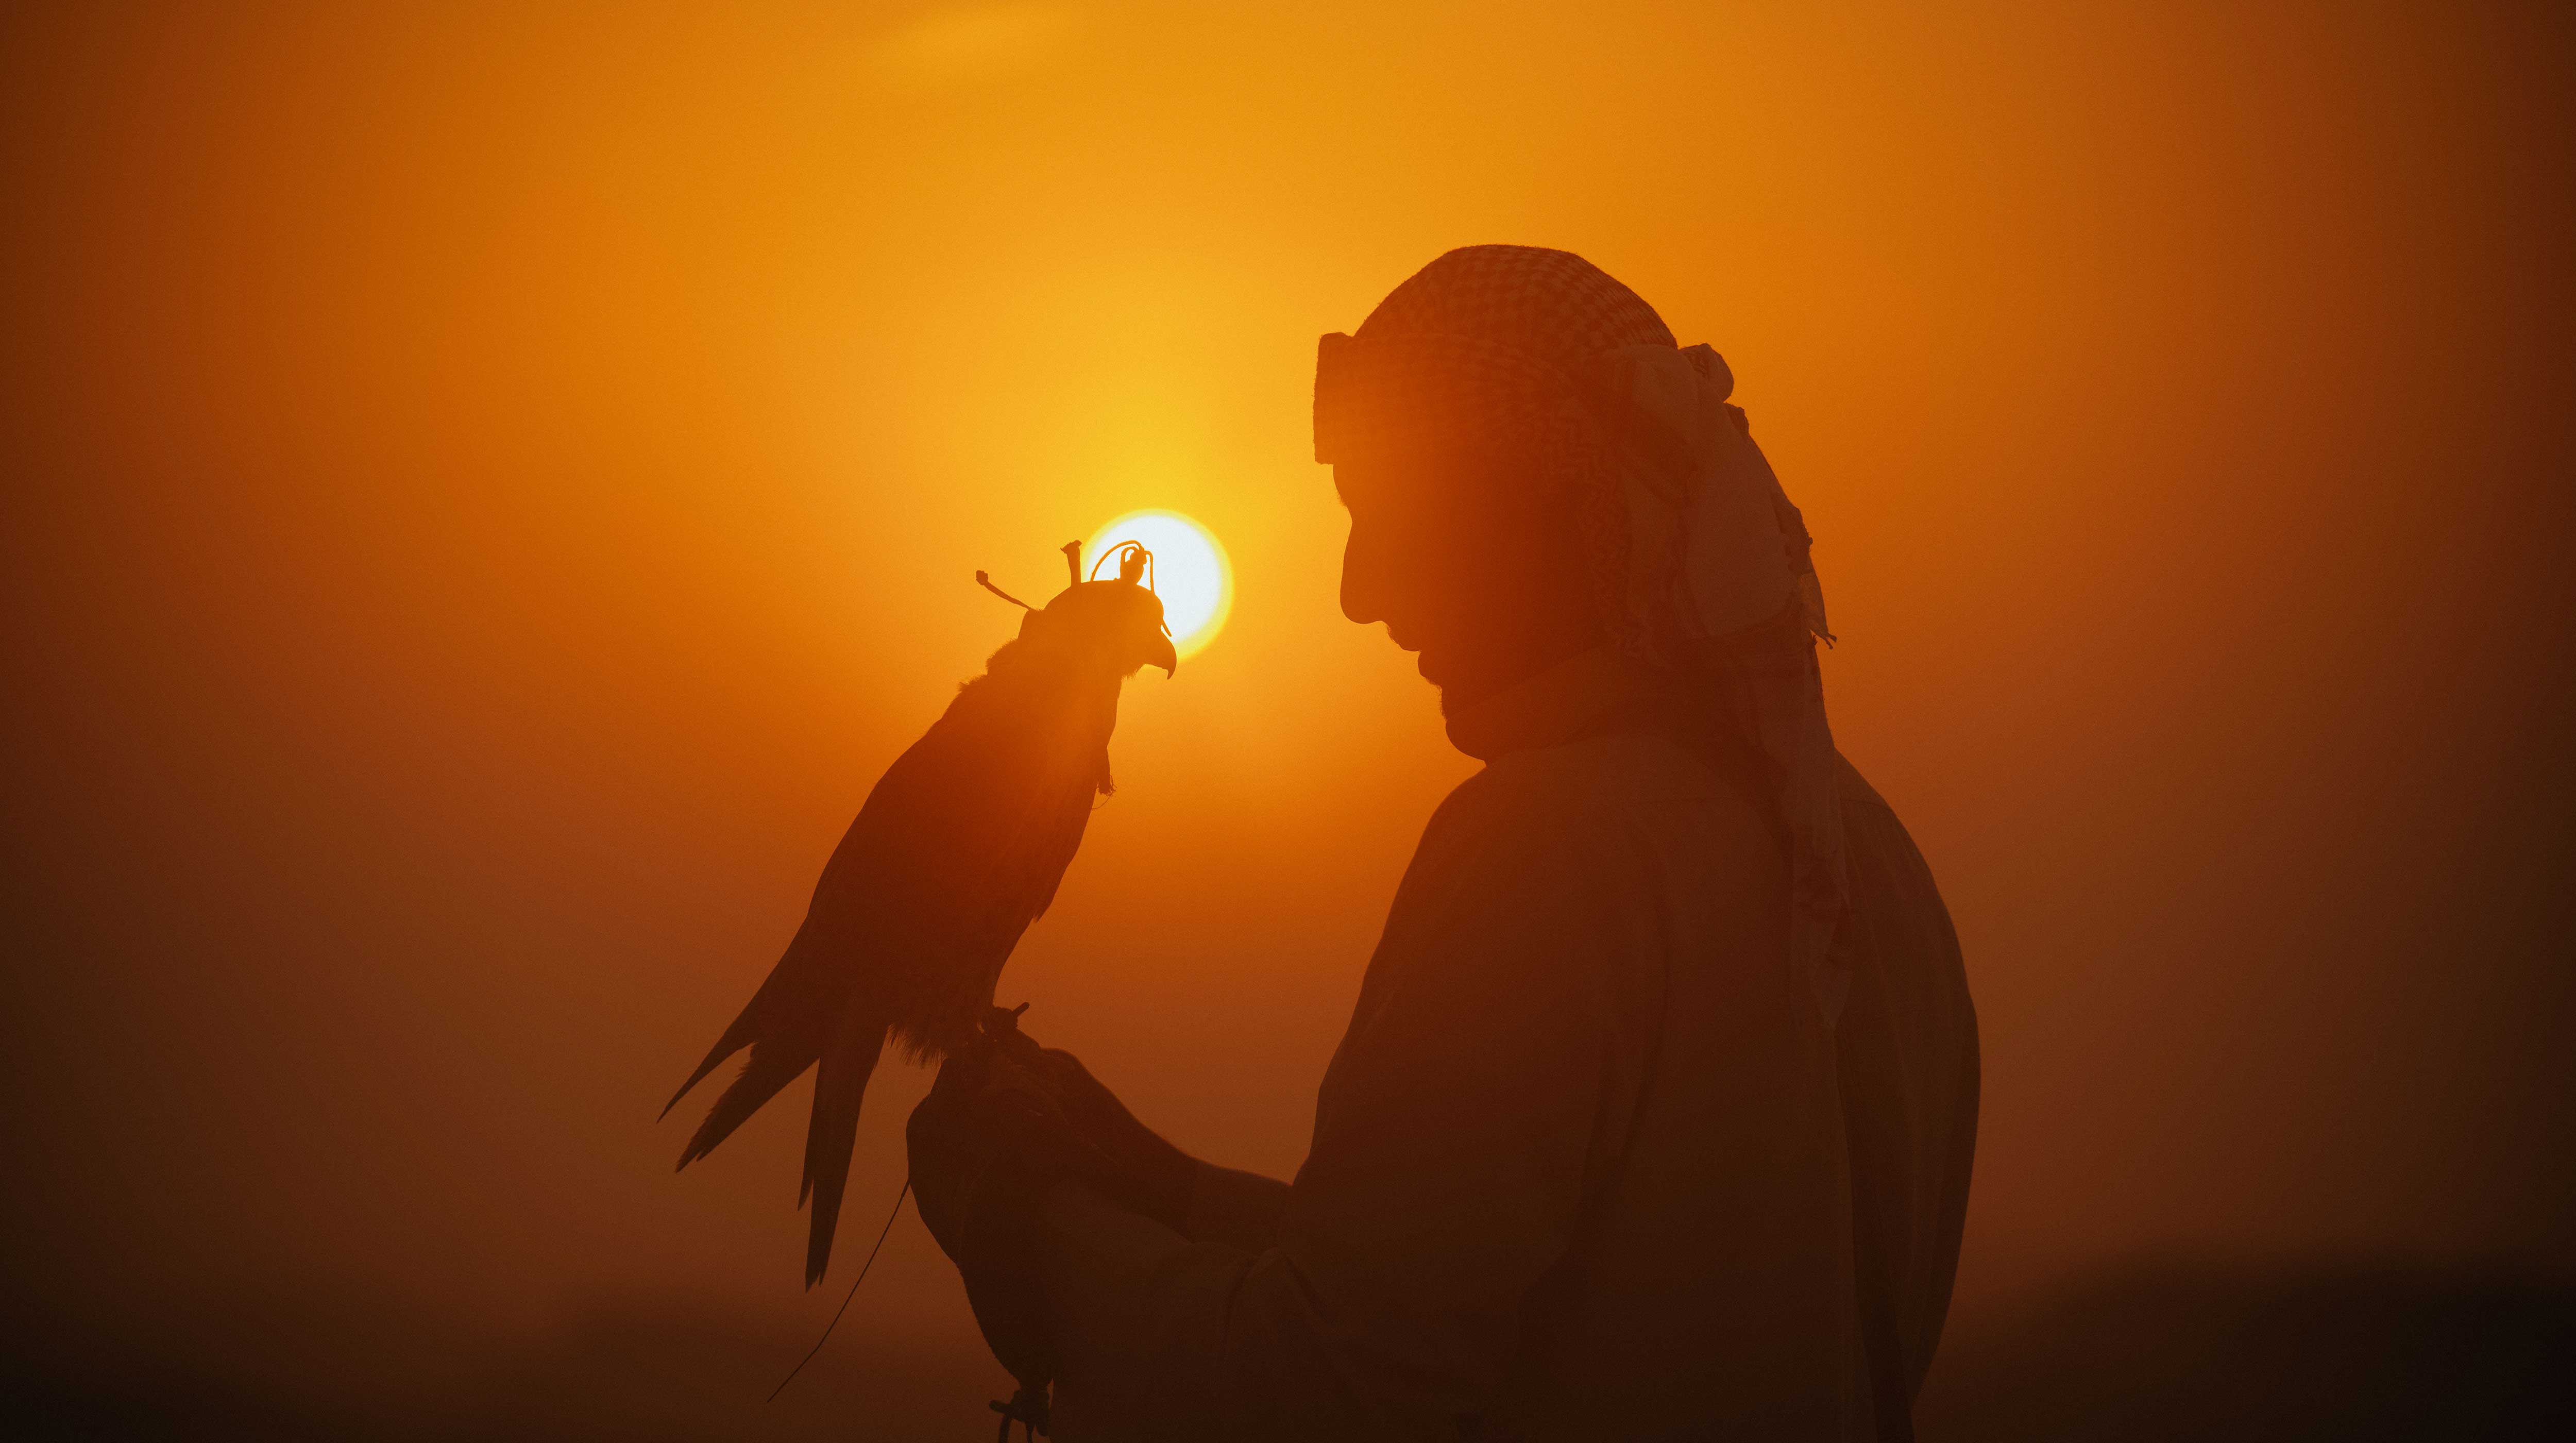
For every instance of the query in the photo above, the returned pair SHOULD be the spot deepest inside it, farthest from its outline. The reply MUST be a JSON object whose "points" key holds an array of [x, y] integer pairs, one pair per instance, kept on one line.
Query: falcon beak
{"points": [[1163, 656]]}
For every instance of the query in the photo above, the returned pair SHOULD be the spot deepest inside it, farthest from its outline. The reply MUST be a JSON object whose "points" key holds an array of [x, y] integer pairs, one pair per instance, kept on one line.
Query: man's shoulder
{"points": [[1855, 788], [1591, 789], [1625, 756]]}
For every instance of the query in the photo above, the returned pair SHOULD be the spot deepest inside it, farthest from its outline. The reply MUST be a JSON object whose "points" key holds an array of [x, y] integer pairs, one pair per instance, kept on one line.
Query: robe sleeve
{"points": [[1491, 1068], [1242, 1209]]}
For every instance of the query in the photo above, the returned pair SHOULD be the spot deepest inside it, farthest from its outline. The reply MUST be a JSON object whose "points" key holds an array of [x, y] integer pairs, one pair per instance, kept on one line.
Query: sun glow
{"points": [[1191, 573]]}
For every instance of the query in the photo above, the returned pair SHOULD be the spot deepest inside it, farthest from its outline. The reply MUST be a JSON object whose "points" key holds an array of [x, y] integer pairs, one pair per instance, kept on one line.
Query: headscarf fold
{"points": [[1698, 563]]}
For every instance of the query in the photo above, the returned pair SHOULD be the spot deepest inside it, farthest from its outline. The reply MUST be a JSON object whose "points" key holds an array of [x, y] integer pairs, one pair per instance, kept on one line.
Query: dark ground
{"points": [[2218, 1353], [2202, 1351]]}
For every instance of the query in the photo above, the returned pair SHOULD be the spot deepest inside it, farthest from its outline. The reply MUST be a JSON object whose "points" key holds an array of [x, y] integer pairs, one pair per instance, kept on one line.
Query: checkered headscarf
{"points": [[1698, 563]]}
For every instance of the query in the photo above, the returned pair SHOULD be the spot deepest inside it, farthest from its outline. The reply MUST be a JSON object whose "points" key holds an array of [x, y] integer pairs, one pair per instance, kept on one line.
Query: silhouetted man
{"points": [[1655, 1113]]}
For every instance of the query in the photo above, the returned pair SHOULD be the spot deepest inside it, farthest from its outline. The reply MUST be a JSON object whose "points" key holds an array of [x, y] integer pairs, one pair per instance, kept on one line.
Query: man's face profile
{"points": [[1471, 565]]}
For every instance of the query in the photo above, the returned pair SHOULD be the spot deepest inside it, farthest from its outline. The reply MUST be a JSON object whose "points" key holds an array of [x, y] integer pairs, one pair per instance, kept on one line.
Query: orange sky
{"points": [[490, 488]]}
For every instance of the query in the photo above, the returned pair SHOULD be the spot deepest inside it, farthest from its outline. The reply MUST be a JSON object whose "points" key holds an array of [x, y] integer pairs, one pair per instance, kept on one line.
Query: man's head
{"points": [[1461, 446], [1532, 465]]}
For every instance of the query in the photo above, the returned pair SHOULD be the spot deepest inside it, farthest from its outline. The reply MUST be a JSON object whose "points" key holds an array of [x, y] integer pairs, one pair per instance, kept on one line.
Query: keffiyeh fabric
{"points": [[1697, 560]]}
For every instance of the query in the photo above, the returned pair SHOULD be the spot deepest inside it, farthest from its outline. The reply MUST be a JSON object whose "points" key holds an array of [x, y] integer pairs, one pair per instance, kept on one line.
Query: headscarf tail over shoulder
{"points": [[1698, 561]]}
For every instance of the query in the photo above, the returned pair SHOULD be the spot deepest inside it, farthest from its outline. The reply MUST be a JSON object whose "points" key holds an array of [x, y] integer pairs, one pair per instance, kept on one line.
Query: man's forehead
{"points": [[1380, 472], [1359, 480], [1432, 474]]}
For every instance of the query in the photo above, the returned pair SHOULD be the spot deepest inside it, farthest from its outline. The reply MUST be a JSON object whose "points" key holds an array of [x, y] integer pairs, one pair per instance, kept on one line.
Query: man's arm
{"points": [[1204, 1202], [1491, 1066]]}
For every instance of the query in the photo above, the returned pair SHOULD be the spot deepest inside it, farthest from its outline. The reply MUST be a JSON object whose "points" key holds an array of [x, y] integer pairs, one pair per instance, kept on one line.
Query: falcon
{"points": [[957, 850]]}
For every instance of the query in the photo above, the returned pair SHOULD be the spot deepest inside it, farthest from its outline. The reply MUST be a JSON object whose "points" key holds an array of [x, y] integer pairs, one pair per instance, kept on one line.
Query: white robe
{"points": [[1590, 1163]]}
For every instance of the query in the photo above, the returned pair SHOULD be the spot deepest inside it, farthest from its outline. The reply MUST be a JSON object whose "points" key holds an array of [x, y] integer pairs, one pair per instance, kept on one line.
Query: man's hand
{"points": [[1004, 1124], [985, 1147]]}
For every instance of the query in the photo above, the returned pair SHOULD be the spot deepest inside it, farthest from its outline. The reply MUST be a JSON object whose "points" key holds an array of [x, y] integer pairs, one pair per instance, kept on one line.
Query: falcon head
{"points": [[1111, 628]]}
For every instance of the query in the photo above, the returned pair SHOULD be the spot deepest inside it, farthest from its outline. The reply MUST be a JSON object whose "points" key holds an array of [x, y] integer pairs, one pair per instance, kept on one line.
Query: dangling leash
{"points": [[900, 1195], [1028, 1407]]}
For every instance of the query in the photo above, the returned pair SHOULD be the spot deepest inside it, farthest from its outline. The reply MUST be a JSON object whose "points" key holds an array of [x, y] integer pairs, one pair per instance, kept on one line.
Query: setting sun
{"points": [[1190, 571]]}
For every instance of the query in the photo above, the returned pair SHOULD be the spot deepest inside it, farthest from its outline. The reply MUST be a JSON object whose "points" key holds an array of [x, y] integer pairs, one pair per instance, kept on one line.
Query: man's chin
{"points": [[1451, 671], [1443, 678]]}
